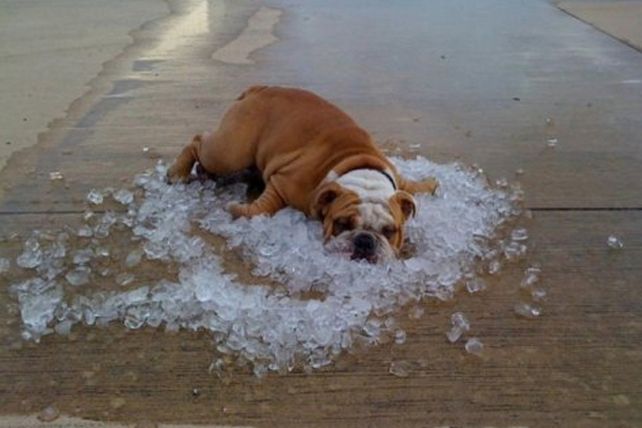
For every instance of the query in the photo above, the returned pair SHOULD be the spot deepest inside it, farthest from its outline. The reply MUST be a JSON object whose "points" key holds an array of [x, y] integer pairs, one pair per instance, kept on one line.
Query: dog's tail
{"points": [[251, 90]]}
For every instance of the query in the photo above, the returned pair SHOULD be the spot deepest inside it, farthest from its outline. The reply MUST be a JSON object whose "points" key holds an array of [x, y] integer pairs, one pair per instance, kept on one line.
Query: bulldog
{"points": [[313, 157]]}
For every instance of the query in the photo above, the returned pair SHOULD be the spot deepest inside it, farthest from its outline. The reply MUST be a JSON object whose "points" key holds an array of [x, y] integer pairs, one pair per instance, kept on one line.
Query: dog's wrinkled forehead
{"points": [[374, 191]]}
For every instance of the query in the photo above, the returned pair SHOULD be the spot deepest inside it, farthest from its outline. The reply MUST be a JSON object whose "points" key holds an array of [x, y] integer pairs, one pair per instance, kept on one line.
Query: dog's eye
{"points": [[341, 225], [389, 231]]}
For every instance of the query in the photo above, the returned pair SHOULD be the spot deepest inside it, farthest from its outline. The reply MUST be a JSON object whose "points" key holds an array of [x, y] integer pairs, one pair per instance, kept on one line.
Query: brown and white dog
{"points": [[313, 157]]}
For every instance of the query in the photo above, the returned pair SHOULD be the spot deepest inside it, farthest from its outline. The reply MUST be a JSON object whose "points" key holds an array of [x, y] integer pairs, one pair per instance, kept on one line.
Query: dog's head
{"points": [[363, 215]]}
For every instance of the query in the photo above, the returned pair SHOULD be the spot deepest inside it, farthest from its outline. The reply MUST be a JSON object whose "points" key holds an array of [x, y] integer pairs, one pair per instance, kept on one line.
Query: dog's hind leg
{"points": [[230, 149], [182, 166], [268, 203]]}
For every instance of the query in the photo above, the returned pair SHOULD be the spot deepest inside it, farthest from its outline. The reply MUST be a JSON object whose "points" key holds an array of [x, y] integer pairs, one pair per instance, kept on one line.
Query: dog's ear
{"points": [[406, 204], [323, 198]]}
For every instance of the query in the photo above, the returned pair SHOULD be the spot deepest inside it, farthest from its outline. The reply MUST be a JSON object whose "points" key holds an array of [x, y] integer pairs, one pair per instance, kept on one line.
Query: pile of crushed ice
{"points": [[322, 304]]}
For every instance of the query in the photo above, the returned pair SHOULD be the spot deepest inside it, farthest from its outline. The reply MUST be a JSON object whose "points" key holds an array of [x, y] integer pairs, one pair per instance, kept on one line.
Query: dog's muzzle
{"points": [[364, 246]]}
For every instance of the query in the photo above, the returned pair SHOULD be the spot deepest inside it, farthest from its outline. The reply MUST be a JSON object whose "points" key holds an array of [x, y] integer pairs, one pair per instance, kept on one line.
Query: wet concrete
{"points": [[474, 81]]}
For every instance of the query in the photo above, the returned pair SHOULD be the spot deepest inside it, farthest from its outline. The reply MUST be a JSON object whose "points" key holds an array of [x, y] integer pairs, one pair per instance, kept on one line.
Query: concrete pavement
{"points": [[474, 81], [49, 52]]}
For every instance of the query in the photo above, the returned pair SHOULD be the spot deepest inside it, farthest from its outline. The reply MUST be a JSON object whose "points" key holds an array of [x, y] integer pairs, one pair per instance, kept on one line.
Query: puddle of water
{"points": [[322, 305]]}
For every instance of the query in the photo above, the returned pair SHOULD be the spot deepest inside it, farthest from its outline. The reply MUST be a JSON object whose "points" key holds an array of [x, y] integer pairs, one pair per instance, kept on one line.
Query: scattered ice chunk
{"points": [[519, 234], [145, 149], [49, 414], [125, 278], [38, 300], [124, 196], [63, 328], [502, 182], [85, 232], [84, 256], [55, 175], [519, 171], [416, 312], [514, 250], [475, 285], [538, 294], [5, 264], [400, 336], [527, 311], [95, 197], [78, 276], [551, 142], [494, 267], [459, 324], [217, 367], [458, 319], [400, 368], [134, 258], [102, 252], [31, 256], [531, 276], [454, 334], [614, 242], [474, 346]]}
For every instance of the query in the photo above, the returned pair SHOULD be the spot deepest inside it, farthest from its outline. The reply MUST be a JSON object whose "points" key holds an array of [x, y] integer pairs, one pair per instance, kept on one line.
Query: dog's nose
{"points": [[364, 243]]}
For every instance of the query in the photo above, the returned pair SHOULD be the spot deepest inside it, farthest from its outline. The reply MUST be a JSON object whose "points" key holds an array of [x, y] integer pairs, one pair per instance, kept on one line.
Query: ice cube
{"points": [[49, 414], [494, 267], [454, 334], [125, 278], [519, 234], [5, 264], [526, 310], [84, 256], [85, 232], [531, 276], [475, 285], [501, 182], [551, 142], [538, 294], [474, 346], [400, 336], [400, 368], [87, 215], [614, 242], [514, 250], [458, 319], [55, 175], [95, 197], [416, 312], [79, 276], [460, 325], [31, 256], [134, 258], [124, 196], [63, 328]]}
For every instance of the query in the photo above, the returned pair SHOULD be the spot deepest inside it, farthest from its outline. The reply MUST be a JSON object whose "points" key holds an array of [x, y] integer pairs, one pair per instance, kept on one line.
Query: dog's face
{"points": [[364, 218]]}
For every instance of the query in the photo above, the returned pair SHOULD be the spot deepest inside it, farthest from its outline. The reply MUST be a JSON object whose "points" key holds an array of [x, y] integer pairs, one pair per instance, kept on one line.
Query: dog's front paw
{"points": [[238, 210], [175, 176]]}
